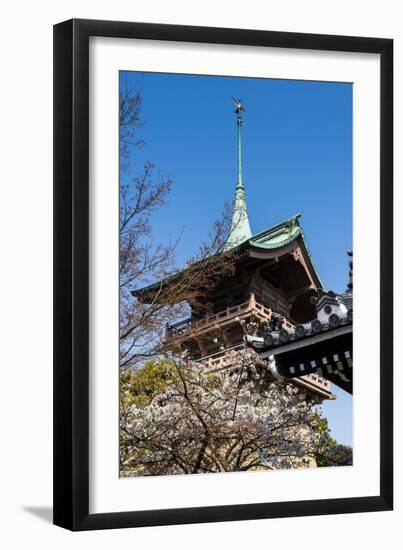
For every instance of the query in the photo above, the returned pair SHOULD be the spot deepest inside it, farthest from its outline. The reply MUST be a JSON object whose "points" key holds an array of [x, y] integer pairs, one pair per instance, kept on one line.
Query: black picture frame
{"points": [[71, 274]]}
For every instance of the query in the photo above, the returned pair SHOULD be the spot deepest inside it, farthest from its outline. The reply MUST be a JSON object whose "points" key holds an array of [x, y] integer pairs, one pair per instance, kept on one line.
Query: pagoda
{"points": [[273, 278]]}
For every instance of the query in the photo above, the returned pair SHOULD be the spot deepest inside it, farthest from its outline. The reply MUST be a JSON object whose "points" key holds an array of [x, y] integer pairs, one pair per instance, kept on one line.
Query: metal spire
{"points": [[240, 228]]}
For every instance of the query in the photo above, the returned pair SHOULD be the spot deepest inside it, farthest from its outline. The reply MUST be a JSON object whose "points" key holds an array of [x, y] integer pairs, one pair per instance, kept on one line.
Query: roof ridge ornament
{"points": [[350, 273], [240, 228]]}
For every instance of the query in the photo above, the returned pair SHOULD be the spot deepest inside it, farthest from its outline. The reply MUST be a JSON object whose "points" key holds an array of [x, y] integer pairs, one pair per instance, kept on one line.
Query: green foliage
{"points": [[330, 452], [148, 381]]}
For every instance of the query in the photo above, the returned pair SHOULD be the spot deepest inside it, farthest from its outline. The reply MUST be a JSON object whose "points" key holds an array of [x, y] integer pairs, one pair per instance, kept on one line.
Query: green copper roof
{"points": [[274, 237], [279, 235], [240, 228]]}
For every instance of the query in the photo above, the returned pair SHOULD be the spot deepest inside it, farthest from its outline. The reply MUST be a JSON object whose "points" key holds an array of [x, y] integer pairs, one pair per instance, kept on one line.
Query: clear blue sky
{"points": [[297, 157]]}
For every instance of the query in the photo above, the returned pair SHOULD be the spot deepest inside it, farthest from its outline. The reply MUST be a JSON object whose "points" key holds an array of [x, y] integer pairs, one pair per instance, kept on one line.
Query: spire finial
{"points": [[240, 228]]}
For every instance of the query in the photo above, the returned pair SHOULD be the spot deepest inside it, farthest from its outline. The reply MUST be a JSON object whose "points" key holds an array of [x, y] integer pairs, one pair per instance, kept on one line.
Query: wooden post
{"points": [[252, 301]]}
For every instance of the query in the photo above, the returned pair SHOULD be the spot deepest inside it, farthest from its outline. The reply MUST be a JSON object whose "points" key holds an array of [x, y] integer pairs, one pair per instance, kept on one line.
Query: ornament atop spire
{"points": [[240, 228]]}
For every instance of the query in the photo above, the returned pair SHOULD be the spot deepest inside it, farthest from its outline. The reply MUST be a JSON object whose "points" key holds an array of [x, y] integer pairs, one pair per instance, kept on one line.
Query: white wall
{"points": [[25, 289]]}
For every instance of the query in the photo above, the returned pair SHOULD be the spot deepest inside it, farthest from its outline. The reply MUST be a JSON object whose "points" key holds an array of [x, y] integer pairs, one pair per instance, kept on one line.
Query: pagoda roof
{"points": [[272, 239], [277, 237]]}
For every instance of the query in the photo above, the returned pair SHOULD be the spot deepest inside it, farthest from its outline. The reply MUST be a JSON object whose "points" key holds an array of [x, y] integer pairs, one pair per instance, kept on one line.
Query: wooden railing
{"points": [[246, 309], [308, 380], [317, 380], [220, 360]]}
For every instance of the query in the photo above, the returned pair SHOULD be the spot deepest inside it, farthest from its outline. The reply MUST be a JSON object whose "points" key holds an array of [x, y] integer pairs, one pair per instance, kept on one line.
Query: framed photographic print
{"points": [[222, 205]]}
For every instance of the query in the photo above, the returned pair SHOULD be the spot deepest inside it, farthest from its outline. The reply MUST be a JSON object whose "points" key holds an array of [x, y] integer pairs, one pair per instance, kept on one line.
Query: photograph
{"points": [[201, 235], [236, 274]]}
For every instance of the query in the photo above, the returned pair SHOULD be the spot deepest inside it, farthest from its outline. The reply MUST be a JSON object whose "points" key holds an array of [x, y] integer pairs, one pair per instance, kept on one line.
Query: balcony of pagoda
{"points": [[225, 328], [316, 386]]}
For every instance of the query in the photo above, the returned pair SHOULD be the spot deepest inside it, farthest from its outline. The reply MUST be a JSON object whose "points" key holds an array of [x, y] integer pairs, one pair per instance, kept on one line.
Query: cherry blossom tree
{"points": [[185, 418]]}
